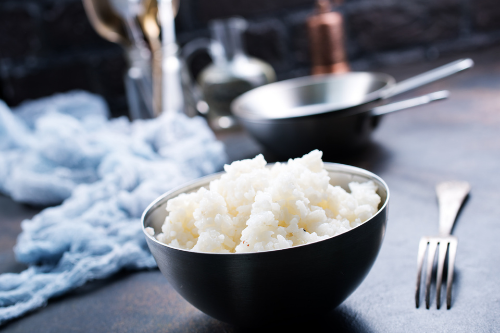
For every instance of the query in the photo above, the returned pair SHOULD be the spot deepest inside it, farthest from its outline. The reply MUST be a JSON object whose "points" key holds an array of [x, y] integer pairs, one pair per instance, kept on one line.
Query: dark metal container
{"points": [[298, 284]]}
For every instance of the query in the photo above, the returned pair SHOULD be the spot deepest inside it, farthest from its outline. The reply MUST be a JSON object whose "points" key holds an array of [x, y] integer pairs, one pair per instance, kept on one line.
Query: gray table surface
{"points": [[412, 151]]}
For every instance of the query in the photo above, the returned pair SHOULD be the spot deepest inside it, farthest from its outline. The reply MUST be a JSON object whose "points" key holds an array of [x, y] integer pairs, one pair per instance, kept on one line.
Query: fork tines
{"points": [[444, 244]]}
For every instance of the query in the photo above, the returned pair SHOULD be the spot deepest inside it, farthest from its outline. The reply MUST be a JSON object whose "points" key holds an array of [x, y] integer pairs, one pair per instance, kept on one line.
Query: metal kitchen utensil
{"points": [[450, 197], [299, 283], [151, 30], [139, 54], [327, 112], [326, 34], [113, 28], [428, 77], [115, 21], [172, 93], [106, 22], [410, 103], [129, 10]]}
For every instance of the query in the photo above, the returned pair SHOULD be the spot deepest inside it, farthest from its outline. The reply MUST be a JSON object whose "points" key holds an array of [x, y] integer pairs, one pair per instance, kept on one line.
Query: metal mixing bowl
{"points": [[301, 283]]}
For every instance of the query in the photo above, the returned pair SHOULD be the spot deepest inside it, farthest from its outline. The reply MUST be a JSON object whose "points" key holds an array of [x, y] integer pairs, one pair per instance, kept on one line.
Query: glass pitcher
{"points": [[232, 72]]}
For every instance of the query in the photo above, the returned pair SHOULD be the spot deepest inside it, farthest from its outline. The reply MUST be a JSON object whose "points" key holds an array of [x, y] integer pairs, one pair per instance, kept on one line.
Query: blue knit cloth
{"points": [[105, 173]]}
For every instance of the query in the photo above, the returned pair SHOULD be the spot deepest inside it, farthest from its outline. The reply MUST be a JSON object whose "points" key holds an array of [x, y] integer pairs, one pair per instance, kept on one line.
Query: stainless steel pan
{"points": [[334, 113]]}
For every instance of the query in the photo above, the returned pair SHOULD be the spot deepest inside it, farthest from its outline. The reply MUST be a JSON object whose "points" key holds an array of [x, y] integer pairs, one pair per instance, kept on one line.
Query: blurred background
{"points": [[49, 46]]}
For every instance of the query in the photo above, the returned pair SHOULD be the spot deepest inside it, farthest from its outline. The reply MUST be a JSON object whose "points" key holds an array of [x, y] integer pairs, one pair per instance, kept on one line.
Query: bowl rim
{"points": [[197, 183]]}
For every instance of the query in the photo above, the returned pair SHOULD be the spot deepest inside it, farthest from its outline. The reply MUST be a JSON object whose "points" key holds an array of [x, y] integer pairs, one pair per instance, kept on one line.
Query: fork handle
{"points": [[451, 195]]}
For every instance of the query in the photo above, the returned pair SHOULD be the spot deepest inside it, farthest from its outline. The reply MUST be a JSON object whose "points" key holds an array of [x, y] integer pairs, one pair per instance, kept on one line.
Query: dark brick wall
{"points": [[378, 32], [486, 15], [48, 46], [385, 25]]}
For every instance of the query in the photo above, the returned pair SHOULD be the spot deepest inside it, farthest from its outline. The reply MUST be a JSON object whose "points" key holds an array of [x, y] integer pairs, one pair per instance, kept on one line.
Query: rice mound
{"points": [[252, 208]]}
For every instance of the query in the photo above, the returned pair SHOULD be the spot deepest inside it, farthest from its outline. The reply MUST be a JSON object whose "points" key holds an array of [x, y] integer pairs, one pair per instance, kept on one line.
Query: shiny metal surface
{"points": [[151, 28], [106, 22], [327, 112], [296, 284], [410, 103], [311, 95], [451, 195], [327, 39], [430, 76], [172, 93], [139, 57]]}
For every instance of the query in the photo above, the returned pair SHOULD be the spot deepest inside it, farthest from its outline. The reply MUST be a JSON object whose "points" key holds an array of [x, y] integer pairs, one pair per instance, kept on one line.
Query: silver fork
{"points": [[450, 198]]}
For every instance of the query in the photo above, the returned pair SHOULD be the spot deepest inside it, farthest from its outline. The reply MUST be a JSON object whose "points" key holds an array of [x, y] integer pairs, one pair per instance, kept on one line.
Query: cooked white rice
{"points": [[252, 208]]}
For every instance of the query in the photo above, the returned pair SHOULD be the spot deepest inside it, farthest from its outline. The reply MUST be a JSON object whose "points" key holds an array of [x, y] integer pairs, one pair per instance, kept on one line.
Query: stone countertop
{"points": [[412, 151]]}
